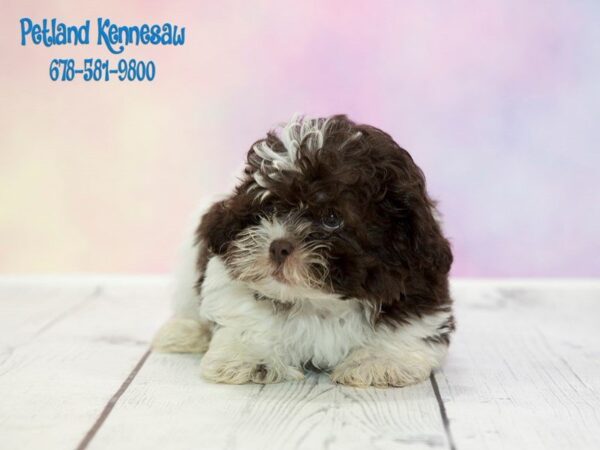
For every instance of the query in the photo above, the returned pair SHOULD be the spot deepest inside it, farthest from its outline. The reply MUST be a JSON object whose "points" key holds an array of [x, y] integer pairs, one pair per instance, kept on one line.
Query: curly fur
{"points": [[368, 299]]}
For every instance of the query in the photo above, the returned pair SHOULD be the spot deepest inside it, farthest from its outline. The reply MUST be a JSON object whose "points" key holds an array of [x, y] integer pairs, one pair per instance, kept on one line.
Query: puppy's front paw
{"points": [[265, 374], [237, 372], [182, 336], [380, 372]]}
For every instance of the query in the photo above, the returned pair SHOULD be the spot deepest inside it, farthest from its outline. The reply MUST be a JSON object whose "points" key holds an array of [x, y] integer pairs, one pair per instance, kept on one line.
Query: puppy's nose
{"points": [[280, 249]]}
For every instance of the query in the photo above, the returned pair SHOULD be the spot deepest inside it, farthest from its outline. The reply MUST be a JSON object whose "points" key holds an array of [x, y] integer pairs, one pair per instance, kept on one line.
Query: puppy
{"points": [[326, 255]]}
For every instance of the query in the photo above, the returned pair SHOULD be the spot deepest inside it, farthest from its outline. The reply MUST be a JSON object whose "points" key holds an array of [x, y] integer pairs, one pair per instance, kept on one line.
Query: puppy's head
{"points": [[329, 207]]}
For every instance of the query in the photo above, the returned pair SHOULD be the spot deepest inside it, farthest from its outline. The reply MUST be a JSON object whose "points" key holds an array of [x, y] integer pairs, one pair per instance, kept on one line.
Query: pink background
{"points": [[499, 102]]}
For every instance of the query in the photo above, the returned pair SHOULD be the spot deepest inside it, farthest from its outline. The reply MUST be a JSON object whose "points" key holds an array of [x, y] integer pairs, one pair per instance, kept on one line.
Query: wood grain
{"points": [[524, 370], [70, 347], [523, 373], [169, 406]]}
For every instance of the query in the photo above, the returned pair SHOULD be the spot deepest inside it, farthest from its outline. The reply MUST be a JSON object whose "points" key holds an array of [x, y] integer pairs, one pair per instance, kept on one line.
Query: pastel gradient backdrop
{"points": [[498, 101]]}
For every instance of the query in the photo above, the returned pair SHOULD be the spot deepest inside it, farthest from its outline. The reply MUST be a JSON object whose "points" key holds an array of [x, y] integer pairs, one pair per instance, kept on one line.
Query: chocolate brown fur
{"points": [[390, 253]]}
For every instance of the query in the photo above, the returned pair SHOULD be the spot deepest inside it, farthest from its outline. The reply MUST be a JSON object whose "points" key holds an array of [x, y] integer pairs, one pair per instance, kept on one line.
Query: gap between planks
{"points": [[108, 408], [112, 402], [65, 348], [443, 414]]}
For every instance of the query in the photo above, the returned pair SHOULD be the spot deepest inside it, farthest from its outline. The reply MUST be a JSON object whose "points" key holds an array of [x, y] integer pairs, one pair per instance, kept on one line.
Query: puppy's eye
{"points": [[331, 221]]}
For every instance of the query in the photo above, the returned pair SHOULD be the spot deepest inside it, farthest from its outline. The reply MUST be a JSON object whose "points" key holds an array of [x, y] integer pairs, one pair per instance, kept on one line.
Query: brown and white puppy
{"points": [[328, 255]]}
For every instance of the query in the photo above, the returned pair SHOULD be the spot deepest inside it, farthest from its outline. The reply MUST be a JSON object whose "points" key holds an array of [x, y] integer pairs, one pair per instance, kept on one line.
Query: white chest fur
{"points": [[321, 330]]}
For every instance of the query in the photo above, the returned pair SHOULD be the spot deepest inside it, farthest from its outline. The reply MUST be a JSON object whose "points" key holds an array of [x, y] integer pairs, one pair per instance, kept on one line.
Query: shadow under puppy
{"points": [[327, 254]]}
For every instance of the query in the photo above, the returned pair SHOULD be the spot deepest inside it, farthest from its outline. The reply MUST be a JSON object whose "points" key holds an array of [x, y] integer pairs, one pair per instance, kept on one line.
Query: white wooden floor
{"points": [[75, 372]]}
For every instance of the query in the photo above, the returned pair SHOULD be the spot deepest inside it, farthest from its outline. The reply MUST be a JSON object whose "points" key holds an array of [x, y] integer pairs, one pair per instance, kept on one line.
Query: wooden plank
{"points": [[29, 306], [169, 406], [524, 368], [72, 345], [523, 373]]}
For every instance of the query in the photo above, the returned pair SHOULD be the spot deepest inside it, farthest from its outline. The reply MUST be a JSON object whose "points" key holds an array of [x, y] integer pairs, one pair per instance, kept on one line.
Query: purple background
{"points": [[499, 102]]}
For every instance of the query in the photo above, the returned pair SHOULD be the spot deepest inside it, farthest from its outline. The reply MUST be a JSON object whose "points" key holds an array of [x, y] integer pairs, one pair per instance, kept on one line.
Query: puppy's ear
{"points": [[418, 240], [430, 249], [219, 226]]}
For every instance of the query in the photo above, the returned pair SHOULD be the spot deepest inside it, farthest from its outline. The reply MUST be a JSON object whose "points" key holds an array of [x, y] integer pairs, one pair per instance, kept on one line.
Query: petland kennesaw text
{"points": [[114, 37]]}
